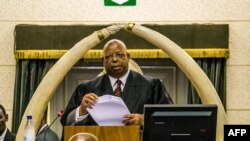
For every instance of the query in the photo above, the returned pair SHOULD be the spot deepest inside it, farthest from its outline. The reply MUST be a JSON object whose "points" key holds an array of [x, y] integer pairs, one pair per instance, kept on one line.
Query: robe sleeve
{"points": [[74, 102], [160, 93]]}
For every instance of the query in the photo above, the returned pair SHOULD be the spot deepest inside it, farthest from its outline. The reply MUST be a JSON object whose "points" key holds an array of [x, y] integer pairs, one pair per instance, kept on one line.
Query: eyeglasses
{"points": [[117, 55]]}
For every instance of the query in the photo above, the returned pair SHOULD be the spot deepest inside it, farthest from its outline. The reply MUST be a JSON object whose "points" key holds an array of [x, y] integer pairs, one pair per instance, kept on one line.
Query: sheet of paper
{"points": [[109, 111]]}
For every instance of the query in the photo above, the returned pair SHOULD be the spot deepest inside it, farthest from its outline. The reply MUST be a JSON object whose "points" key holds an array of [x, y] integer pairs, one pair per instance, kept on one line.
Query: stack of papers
{"points": [[109, 111]]}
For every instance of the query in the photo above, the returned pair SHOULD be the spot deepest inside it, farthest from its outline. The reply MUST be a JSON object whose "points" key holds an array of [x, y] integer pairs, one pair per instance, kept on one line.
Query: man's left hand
{"points": [[133, 119]]}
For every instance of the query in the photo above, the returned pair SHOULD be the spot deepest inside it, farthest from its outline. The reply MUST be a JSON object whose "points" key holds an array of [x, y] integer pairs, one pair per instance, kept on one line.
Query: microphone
{"points": [[59, 114]]}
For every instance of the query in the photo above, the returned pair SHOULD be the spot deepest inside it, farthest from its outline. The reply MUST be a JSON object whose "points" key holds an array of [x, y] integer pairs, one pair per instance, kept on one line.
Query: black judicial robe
{"points": [[50, 135], [138, 90]]}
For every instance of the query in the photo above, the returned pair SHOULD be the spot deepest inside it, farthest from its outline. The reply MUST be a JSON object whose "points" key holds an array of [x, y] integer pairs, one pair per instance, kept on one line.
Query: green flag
{"points": [[119, 2]]}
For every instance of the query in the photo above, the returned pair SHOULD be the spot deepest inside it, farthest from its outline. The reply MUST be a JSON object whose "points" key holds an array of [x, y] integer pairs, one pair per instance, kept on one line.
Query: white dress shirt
{"points": [[3, 134], [123, 79]]}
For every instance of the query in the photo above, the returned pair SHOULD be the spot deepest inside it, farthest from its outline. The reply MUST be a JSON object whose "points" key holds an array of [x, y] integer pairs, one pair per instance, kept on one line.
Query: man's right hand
{"points": [[88, 100]]}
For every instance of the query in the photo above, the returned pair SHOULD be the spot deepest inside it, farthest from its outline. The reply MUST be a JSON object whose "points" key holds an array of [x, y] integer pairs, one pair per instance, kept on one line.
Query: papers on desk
{"points": [[109, 111]]}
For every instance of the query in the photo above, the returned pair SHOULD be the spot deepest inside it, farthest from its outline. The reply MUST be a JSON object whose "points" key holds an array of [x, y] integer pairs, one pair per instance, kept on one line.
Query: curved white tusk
{"points": [[55, 75], [192, 70]]}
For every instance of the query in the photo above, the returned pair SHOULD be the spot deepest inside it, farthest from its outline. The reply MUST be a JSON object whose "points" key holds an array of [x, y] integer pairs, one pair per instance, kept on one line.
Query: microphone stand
{"points": [[59, 114]]}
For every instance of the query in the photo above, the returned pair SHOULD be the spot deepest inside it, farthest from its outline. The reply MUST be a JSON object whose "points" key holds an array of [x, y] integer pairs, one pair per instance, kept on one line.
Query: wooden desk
{"points": [[105, 133]]}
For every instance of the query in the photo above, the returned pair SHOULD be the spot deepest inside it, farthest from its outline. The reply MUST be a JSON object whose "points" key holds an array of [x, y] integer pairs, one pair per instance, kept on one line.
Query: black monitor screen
{"points": [[180, 122]]}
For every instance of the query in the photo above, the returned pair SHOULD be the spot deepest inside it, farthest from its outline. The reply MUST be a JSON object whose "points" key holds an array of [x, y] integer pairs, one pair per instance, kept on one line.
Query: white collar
{"points": [[3, 134], [123, 79], [42, 128]]}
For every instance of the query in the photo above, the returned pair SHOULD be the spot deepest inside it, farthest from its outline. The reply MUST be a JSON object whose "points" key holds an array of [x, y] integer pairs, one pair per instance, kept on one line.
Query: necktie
{"points": [[118, 90]]}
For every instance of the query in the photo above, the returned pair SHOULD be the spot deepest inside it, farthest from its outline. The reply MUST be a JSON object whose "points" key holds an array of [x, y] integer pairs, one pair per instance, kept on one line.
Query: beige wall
{"points": [[236, 13]]}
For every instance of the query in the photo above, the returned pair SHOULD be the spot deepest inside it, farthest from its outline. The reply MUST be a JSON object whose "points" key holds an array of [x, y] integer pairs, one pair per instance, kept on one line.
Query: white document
{"points": [[109, 111]]}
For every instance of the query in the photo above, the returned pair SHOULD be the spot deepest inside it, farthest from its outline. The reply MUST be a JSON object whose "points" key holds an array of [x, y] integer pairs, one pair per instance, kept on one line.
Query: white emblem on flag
{"points": [[120, 1]]}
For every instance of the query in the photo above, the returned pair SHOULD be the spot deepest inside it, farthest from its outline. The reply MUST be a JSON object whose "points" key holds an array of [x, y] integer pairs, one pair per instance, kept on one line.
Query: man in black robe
{"points": [[137, 89]]}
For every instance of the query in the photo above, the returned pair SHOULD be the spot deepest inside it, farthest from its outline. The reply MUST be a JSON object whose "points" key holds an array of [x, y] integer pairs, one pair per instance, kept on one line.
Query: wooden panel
{"points": [[105, 133], [65, 36]]}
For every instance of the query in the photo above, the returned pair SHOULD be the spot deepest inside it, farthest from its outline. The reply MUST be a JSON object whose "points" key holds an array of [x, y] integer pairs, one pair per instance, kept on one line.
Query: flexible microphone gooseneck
{"points": [[59, 114]]}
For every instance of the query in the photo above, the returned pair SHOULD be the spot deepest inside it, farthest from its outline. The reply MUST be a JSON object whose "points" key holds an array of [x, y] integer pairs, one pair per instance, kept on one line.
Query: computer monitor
{"points": [[180, 122]]}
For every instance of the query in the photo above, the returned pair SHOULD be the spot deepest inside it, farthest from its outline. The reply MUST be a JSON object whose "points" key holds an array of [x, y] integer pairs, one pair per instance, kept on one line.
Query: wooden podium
{"points": [[105, 133]]}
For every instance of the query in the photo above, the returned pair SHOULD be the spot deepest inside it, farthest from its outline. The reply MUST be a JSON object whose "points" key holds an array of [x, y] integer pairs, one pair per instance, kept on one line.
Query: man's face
{"points": [[115, 60], [3, 120]]}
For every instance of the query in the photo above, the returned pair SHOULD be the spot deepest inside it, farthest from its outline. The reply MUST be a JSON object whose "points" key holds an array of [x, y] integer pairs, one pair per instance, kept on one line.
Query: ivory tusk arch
{"points": [[202, 84]]}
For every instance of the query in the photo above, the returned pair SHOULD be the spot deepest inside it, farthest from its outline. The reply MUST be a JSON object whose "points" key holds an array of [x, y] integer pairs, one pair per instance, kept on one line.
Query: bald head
{"points": [[114, 42], [2, 109]]}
